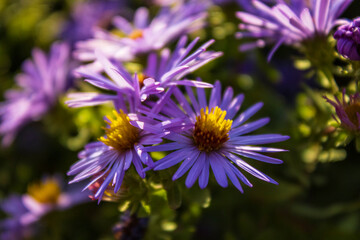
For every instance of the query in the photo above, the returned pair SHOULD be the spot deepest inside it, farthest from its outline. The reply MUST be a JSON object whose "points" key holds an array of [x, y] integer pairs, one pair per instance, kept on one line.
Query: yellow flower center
{"points": [[351, 111], [120, 135], [211, 129], [45, 192], [137, 33]]}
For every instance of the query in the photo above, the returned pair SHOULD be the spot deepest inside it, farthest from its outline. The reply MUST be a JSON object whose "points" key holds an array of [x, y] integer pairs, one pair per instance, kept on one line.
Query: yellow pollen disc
{"points": [[137, 33], [45, 192], [120, 135], [351, 111], [211, 129]]}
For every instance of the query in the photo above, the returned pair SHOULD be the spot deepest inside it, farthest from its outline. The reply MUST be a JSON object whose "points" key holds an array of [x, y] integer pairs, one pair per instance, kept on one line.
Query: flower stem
{"points": [[328, 74]]}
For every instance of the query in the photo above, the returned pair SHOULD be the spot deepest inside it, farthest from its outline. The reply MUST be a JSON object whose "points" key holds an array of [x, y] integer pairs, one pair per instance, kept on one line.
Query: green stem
{"points": [[328, 74]]}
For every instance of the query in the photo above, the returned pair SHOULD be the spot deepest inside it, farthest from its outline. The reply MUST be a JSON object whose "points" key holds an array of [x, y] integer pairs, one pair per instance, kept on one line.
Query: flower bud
{"points": [[348, 112], [348, 40]]}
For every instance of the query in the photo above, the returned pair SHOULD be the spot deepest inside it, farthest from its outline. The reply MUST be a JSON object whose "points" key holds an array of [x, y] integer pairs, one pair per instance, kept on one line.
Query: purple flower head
{"points": [[114, 153], [88, 15], [144, 35], [164, 3], [42, 198], [287, 23], [348, 40], [131, 226], [179, 63], [43, 79], [222, 2], [161, 73], [347, 113], [296, 5], [210, 134]]}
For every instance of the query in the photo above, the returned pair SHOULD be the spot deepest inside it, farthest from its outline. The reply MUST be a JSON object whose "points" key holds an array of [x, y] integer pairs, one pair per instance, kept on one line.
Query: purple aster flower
{"points": [[143, 35], [348, 40], [296, 5], [88, 15], [222, 2], [347, 113], [28, 208], [164, 3], [43, 79], [161, 73], [107, 160], [287, 23], [208, 134], [130, 226]]}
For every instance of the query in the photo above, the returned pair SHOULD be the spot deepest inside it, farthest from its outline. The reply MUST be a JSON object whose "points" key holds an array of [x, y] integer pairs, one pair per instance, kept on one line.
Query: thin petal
{"points": [[218, 169], [204, 175], [186, 165], [195, 170]]}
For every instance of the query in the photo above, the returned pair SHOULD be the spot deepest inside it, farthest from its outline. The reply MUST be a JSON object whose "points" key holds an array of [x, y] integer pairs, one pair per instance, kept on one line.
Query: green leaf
{"points": [[174, 196], [144, 210]]}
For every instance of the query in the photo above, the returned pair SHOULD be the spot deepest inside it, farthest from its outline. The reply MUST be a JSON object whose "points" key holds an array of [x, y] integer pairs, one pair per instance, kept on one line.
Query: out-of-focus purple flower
{"points": [[222, 2], [113, 154], [161, 73], [347, 113], [296, 5], [164, 3], [87, 15], [42, 198], [206, 134], [348, 40], [130, 227], [43, 79], [179, 63], [143, 35], [289, 24]]}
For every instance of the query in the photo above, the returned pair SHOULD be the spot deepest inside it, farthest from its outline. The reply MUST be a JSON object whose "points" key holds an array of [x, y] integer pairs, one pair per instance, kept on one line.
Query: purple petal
{"points": [[186, 165], [215, 97], [204, 175], [258, 139], [259, 157], [256, 173], [249, 127], [218, 169], [195, 170], [171, 159], [243, 117], [164, 147]]}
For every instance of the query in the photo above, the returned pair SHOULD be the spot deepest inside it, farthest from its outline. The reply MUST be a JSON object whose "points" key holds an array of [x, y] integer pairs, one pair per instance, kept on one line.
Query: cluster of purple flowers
{"points": [[150, 109], [288, 23], [161, 108], [143, 35]]}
